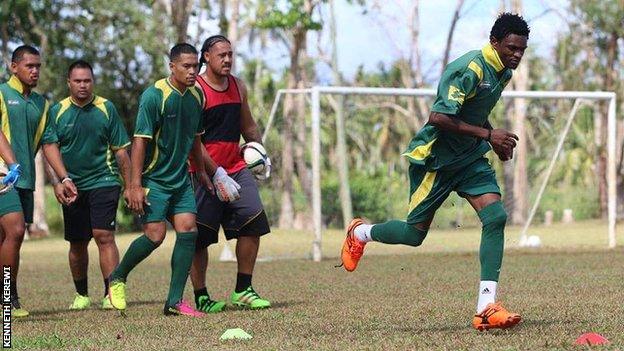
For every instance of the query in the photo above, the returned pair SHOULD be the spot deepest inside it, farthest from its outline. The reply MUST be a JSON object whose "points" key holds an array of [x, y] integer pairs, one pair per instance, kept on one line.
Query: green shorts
{"points": [[164, 204], [428, 190], [10, 202]]}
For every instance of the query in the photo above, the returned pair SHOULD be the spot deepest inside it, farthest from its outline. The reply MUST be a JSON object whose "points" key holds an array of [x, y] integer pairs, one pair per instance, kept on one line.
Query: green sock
{"points": [[493, 217], [398, 232], [181, 261], [140, 248]]}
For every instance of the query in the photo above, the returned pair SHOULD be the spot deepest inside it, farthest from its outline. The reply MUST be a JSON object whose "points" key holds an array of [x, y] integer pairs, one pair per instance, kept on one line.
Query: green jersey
{"points": [[469, 88], [88, 135], [24, 122], [170, 119]]}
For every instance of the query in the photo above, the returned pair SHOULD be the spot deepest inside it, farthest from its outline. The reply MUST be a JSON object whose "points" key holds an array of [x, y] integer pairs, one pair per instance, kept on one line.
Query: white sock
{"points": [[363, 232], [487, 294]]}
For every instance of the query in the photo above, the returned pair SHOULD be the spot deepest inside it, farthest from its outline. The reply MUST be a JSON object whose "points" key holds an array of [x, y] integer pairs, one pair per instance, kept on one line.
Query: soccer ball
{"points": [[255, 157]]}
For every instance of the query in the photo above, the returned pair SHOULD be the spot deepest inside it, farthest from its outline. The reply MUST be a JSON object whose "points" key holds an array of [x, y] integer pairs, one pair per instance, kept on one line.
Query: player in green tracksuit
{"points": [[24, 122], [447, 155], [168, 126]]}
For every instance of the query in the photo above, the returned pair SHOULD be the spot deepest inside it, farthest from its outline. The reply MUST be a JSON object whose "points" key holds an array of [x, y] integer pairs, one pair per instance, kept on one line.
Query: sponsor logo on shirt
{"points": [[13, 102], [171, 115]]}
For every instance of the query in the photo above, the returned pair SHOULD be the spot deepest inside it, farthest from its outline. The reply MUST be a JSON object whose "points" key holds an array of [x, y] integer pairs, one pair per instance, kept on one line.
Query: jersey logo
{"points": [[171, 116], [485, 85], [13, 102], [455, 94]]}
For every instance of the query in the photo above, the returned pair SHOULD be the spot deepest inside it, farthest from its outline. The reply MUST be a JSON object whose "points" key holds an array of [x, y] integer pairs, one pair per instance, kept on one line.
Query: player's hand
{"points": [[267, 170], [59, 192], [504, 154], [501, 139], [13, 175], [205, 181], [225, 187], [70, 190], [135, 199]]}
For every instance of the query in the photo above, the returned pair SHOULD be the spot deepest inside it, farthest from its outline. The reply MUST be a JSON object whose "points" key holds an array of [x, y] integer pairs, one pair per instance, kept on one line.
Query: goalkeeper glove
{"points": [[12, 175], [225, 187]]}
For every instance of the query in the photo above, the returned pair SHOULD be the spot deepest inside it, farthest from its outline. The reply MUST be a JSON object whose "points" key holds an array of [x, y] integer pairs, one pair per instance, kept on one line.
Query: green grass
{"points": [[399, 298]]}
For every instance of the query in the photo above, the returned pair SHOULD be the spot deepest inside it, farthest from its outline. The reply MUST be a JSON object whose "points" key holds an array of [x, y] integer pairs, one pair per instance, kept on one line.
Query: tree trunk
{"points": [[520, 178], [508, 170], [39, 227], [341, 143], [449, 37]]}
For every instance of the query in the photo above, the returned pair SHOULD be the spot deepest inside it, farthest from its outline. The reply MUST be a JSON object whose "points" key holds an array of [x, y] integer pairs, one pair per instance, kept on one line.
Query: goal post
{"points": [[315, 99]]}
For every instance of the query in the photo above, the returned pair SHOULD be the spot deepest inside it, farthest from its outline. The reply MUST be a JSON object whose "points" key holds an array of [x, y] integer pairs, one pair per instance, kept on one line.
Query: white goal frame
{"points": [[315, 97]]}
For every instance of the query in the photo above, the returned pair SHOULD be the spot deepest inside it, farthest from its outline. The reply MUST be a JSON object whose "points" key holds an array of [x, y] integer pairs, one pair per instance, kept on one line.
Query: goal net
{"points": [[551, 161]]}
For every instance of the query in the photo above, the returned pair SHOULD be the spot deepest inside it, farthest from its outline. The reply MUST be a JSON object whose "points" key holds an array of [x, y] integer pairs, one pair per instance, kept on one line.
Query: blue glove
{"points": [[13, 175]]}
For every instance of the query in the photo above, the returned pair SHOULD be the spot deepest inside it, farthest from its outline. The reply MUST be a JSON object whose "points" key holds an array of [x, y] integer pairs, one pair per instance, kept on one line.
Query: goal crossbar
{"points": [[315, 96]]}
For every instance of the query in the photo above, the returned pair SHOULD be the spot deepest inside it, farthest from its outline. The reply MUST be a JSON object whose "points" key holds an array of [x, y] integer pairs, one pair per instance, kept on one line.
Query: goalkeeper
{"points": [[448, 155], [226, 116]]}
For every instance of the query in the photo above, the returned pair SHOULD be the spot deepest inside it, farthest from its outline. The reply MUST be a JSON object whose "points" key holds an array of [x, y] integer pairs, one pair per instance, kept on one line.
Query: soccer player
{"points": [[226, 116], [168, 126], [93, 144], [447, 155], [25, 123]]}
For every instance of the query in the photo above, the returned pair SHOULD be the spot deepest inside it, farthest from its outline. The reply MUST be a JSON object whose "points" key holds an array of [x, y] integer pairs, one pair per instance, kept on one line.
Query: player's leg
{"points": [[78, 234], [154, 231], [478, 185], [428, 190], [246, 220], [182, 212], [79, 267], [209, 212], [103, 207], [12, 228]]}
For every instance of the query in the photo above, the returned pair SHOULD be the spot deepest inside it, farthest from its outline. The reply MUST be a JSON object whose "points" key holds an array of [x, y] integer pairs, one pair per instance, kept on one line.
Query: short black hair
{"points": [[79, 64], [181, 48], [509, 23], [19, 52], [210, 42]]}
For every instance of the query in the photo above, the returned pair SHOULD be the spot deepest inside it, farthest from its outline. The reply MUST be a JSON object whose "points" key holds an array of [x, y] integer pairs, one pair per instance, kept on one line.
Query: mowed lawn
{"points": [[399, 298]]}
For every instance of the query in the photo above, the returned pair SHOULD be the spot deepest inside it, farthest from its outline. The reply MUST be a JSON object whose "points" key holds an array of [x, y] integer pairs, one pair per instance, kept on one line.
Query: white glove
{"points": [[225, 187], [266, 172]]}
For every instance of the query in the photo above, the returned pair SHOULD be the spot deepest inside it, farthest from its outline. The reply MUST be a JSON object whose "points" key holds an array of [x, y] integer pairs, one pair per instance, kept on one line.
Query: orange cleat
{"points": [[495, 316], [352, 248]]}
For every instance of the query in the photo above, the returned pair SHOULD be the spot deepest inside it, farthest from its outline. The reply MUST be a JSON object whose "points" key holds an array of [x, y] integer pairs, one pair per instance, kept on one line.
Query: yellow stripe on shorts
{"points": [[422, 191]]}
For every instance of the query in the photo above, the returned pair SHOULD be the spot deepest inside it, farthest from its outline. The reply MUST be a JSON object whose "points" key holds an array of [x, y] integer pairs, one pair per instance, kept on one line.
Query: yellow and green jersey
{"points": [[170, 119], [469, 88], [24, 121], [88, 136]]}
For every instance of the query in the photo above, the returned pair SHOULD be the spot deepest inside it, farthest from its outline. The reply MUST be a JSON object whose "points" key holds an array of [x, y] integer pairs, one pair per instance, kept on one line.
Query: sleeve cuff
{"points": [[119, 147], [143, 136]]}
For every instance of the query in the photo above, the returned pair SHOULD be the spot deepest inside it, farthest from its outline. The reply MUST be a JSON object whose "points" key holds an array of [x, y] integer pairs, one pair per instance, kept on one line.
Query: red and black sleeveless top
{"points": [[221, 118]]}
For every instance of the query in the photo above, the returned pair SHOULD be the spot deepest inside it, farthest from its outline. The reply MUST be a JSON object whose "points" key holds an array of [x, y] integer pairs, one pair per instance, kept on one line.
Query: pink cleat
{"points": [[182, 308]]}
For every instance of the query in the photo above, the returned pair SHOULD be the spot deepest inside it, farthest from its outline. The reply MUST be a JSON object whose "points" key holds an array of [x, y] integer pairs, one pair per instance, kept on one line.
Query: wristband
{"points": [[66, 179]]}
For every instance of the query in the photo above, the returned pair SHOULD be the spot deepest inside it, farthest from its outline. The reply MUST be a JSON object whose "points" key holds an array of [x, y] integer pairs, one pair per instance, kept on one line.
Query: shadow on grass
{"points": [[34, 315]]}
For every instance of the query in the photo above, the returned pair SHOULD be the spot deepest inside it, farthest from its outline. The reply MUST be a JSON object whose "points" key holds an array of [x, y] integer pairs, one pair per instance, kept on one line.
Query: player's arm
{"points": [[123, 160], [134, 193], [249, 127], [6, 153], [250, 130], [200, 157], [66, 185], [5, 150]]}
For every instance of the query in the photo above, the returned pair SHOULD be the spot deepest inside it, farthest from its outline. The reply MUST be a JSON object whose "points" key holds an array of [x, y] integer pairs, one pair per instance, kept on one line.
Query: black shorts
{"points": [[243, 217], [93, 209], [28, 204]]}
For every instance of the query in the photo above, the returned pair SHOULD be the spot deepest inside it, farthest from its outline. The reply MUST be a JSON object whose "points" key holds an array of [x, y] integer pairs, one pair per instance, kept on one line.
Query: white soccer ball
{"points": [[533, 241], [255, 157]]}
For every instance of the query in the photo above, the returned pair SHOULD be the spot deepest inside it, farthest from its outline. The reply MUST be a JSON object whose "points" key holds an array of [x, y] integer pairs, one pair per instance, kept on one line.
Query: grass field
{"points": [[399, 298]]}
